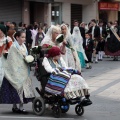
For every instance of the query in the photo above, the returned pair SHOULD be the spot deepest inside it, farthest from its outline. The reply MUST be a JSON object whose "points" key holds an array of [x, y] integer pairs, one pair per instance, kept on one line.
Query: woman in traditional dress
{"points": [[50, 39], [71, 58], [16, 86], [112, 46], [5, 44], [64, 80], [78, 46]]}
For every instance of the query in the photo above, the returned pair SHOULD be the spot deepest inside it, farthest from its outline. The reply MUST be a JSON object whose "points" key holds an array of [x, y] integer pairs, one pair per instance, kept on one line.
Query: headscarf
{"points": [[54, 51], [78, 41], [68, 36], [77, 34], [48, 37]]}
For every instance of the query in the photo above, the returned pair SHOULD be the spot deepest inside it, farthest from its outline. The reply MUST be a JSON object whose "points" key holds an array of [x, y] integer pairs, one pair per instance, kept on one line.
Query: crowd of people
{"points": [[89, 40], [80, 45]]}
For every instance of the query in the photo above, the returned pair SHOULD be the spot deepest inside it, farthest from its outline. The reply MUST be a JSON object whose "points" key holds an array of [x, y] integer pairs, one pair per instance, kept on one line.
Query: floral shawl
{"points": [[16, 70]]}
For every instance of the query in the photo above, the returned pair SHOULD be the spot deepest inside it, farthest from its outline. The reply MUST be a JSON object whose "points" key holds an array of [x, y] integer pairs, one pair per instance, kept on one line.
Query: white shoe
{"points": [[96, 61]]}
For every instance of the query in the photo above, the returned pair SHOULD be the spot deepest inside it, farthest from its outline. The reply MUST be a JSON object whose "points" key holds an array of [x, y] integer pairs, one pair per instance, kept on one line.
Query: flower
{"points": [[29, 59], [46, 46]]}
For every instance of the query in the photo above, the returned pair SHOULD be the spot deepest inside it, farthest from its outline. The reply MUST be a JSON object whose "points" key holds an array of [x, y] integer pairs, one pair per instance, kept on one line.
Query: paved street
{"points": [[104, 83]]}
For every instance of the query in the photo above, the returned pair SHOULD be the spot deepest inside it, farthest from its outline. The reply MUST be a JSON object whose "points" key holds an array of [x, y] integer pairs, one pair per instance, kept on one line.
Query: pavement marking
{"points": [[43, 118], [103, 88], [102, 82]]}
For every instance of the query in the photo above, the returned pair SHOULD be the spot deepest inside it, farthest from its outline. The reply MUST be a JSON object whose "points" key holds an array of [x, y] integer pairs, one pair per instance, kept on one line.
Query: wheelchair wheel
{"points": [[56, 111], [38, 106], [79, 110]]}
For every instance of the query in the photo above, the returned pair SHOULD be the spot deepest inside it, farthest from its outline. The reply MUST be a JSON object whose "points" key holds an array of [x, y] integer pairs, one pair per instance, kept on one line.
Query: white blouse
{"points": [[49, 68]]}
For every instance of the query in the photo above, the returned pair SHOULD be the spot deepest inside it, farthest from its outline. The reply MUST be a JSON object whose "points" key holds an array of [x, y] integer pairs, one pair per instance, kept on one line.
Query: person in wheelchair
{"points": [[64, 81]]}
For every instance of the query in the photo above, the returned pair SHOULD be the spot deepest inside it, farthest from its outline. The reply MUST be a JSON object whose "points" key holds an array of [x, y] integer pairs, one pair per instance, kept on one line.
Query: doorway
{"points": [[32, 12]]}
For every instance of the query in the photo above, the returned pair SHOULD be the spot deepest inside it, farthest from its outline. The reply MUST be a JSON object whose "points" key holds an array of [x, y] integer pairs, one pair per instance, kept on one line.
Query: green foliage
{"points": [[36, 50]]}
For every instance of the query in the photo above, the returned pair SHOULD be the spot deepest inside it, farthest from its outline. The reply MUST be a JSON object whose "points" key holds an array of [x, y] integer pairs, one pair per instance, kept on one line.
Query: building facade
{"points": [[56, 11], [46, 11], [109, 10]]}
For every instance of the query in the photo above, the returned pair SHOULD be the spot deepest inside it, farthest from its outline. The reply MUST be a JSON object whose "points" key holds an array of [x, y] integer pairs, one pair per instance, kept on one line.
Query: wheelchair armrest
{"points": [[37, 89]]}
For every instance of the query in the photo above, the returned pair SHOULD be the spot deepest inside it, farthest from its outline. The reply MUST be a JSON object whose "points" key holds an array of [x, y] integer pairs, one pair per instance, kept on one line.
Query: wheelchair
{"points": [[59, 104]]}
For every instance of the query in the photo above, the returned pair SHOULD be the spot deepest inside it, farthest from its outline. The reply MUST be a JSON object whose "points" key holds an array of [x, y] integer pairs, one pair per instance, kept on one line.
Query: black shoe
{"points": [[90, 67], [87, 67], [86, 102], [15, 110], [23, 111]]}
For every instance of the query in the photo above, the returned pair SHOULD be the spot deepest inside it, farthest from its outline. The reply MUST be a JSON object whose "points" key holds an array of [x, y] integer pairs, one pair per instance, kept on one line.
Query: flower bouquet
{"points": [[45, 49], [45, 46], [29, 59]]}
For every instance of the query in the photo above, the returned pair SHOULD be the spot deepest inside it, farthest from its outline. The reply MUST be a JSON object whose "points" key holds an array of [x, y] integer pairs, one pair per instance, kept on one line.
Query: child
{"points": [[88, 46], [100, 49]]}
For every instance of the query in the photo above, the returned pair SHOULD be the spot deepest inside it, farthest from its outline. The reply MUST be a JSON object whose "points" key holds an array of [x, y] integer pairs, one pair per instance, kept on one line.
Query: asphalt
{"points": [[104, 82]]}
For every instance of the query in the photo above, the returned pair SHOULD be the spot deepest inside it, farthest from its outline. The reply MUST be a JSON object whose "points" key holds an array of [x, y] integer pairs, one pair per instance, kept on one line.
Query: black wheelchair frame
{"points": [[59, 104]]}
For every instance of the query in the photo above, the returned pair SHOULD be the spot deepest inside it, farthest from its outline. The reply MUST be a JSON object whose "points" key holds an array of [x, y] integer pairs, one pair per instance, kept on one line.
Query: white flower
{"points": [[29, 58]]}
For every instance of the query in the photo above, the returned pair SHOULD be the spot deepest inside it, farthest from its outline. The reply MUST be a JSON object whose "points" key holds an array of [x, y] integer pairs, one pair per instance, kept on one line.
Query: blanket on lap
{"points": [[57, 82]]}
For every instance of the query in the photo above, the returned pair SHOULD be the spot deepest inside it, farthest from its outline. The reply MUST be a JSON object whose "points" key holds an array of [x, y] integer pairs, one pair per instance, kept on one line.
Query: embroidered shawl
{"points": [[16, 70]]}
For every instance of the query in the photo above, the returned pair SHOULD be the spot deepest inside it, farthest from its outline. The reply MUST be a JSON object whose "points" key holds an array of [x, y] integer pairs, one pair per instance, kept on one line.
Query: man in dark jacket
{"points": [[103, 32], [95, 31]]}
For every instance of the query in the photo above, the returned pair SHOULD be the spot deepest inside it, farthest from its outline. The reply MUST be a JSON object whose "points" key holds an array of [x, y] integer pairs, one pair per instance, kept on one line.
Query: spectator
{"points": [[39, 37]]}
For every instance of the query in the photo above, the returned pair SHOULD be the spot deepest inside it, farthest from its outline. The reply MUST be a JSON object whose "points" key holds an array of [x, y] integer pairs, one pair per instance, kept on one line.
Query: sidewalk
{"points": [[104, 83]]}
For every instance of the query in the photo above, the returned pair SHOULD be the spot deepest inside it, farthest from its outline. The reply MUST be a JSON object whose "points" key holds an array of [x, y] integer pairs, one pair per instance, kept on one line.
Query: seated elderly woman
{"points": [[64, 81]]}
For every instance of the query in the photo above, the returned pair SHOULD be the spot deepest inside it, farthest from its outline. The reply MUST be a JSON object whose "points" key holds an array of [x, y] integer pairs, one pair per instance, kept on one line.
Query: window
{"points": [[56, 13]]}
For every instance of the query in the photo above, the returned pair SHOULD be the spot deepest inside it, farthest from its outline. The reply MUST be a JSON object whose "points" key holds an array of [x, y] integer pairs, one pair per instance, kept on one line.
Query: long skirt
{"points": [[9, 95], [112, 46], [69, 59], [108, 52], [82, 60], [76, 87]]}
